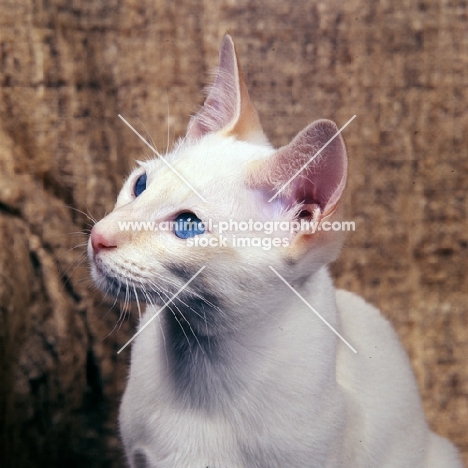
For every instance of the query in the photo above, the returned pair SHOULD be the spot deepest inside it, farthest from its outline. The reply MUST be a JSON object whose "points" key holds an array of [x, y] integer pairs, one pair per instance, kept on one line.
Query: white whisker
{"points": [[91, 218], [190, 327], [138, 302]]}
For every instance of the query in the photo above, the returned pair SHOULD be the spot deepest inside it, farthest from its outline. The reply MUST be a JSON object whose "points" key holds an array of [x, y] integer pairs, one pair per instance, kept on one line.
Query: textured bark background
{"points": [[68, 68]]}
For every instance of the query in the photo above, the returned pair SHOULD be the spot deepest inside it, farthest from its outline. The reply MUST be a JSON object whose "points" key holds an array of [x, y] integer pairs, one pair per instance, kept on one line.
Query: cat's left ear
{"points": [[228, 108], [309, 172], [307, 176]]}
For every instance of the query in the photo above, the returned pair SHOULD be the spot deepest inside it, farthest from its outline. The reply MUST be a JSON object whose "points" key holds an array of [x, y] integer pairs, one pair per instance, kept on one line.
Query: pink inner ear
{"points": [[321, 182]]}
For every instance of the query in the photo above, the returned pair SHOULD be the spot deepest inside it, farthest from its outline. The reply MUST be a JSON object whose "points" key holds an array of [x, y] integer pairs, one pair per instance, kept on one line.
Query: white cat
{"points": [[238, 371]]}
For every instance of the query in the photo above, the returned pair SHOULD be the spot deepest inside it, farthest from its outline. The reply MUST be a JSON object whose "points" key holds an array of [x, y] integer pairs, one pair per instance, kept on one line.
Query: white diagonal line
{"points": [[312, 158], [163, 159], [161, 309], [312, 309]]}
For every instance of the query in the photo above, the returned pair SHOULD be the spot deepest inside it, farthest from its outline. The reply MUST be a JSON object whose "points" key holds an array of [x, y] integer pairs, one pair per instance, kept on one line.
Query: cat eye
{"points": [[188, 225], [140, 185]]}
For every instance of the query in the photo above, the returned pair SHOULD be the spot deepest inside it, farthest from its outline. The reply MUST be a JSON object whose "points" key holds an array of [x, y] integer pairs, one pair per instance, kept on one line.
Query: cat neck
{"points": [[205, 369]]}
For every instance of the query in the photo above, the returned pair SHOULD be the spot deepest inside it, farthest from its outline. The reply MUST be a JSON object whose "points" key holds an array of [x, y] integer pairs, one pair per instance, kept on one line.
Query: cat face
{"points": [[223, 171], [141, 256]]}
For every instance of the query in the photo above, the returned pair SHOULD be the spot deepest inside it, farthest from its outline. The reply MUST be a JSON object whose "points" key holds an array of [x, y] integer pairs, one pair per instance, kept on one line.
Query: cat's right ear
{"points": [[227, 108]]}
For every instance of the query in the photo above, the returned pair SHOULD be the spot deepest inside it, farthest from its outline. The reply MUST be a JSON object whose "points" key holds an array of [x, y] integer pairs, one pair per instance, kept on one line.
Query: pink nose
{"points": [[100, 242]]}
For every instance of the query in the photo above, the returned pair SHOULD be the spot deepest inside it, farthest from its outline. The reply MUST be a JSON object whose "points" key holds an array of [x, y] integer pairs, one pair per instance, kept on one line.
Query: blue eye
{"points": [[140, 185], [188, 225]]}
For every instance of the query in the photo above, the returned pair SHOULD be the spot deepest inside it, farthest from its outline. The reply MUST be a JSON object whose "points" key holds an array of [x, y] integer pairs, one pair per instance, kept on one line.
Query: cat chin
{"points": [[123, 290]]}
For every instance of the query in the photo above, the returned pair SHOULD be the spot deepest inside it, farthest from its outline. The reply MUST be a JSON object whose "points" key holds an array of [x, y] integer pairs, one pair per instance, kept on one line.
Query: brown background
{"points": [[68, 68]]}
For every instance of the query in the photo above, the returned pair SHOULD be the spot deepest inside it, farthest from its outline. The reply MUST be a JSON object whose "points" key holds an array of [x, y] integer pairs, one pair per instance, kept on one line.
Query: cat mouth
{"points": [[125, 289], [129, 291]]}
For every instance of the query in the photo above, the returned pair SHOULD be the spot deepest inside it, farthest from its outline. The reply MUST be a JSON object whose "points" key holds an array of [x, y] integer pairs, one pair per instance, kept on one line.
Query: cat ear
{"points": [[309, 173], [307, 177], [227, 108]]}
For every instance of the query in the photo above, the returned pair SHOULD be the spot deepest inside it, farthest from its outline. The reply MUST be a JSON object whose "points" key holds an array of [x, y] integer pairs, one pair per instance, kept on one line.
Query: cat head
{"points": [[224, 172]]}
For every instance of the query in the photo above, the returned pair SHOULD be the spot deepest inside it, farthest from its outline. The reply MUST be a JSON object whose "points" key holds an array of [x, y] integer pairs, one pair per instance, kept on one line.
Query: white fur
{"points": [[238, 372], [296, 395]]}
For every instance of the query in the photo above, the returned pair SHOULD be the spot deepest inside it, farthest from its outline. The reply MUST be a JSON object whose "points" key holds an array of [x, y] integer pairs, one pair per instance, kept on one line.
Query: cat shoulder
{"points": [[367, 326], [381, 360]]}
